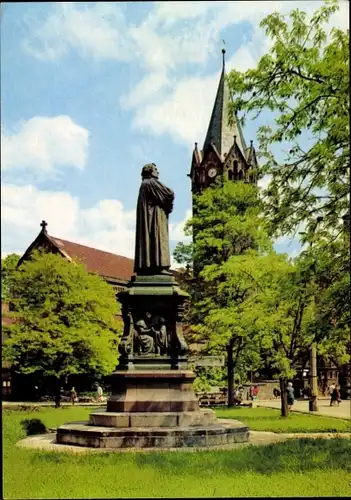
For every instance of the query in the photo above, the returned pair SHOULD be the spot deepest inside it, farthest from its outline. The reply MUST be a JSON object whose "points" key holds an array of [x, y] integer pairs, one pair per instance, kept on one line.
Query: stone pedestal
{"points": [[152, 311], [153, 403], [218, 434], [153, 391]]}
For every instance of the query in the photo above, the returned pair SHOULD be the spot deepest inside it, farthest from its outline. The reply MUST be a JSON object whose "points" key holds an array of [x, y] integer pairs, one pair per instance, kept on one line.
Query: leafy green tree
{"points": [[227, 222], [65, 321], [250, 302], [304, 83], [8, 266], [268, 303], [328, 268]]}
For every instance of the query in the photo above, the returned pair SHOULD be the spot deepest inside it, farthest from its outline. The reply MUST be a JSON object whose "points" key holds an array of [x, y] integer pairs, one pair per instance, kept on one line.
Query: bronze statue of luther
{"points": [[155, 203]]}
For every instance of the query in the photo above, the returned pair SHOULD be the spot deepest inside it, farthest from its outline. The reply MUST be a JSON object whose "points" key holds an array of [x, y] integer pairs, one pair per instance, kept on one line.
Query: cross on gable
{"points": [[43, 225]]}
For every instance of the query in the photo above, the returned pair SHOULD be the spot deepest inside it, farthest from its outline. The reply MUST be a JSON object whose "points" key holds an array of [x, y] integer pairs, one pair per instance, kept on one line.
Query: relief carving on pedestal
{"points": [[150, 335]]}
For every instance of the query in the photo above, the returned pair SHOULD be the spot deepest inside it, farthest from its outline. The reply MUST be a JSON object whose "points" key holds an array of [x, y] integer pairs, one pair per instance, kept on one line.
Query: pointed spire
{"points": [[219, 132]]}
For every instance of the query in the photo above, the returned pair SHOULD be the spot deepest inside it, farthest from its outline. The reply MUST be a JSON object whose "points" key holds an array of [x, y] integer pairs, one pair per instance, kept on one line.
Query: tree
{"points": [[248, 301], [328, 268], [268, 303], [304, 82], [65, 321], [8, 266], [227, 222]]}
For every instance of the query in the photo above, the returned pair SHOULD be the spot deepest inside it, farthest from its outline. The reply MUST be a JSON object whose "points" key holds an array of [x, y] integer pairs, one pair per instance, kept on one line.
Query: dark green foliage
{"points": [[64, 319], [8, 266], [33, 426]]}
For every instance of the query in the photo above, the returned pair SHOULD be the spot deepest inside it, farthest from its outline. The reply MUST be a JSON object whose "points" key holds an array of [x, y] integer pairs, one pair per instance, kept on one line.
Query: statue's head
{"points": [[149, 170]]}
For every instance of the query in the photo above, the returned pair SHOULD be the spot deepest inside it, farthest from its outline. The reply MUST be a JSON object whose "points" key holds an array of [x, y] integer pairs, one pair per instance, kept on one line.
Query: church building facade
{"points": [[225, 153]]}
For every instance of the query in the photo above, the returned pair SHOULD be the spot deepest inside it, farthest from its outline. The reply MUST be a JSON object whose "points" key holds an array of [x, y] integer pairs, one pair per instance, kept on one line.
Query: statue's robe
{"points": [[155, 203], [144, 341]]}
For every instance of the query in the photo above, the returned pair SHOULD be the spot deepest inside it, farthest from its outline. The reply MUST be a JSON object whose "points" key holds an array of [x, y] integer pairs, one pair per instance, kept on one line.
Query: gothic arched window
{"points": [[235, 169], [241, 175], [230, 175]]}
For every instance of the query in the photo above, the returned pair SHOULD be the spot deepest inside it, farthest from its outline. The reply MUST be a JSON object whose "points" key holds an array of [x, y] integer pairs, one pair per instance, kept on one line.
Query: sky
{"points": [[90, 92]]}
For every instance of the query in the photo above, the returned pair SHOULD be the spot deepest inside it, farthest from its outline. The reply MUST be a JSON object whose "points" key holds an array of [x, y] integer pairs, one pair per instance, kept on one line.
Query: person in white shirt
{"points": [[99, 393]]}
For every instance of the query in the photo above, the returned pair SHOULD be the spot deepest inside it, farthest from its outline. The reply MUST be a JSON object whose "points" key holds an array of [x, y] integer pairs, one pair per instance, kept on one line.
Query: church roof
{"points": [[114, 268], [219, 132], [108, 265]]}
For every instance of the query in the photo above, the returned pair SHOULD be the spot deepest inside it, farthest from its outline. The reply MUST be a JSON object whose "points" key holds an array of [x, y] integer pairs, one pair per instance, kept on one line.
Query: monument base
{"points": [[218, 434], [153, 409]]}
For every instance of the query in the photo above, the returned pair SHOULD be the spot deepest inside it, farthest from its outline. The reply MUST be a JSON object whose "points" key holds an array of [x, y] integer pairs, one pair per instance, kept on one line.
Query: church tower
{"points": [[224, 154]]}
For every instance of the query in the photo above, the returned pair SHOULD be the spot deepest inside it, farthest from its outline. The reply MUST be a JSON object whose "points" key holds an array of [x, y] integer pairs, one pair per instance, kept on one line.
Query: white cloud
{"points": [[183, 113], [43, 143], [159, 50], [171, 36], [176, 230], [107, 225], [151, 84], [97, 32], [172, 12], [182, 110]]}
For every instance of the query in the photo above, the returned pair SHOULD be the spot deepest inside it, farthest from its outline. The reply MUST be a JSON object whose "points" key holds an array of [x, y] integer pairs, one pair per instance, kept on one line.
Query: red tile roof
{"points": [[108, 265]]}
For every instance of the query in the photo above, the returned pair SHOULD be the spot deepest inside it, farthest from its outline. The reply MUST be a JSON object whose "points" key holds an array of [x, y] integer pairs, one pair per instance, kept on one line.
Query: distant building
{"points": [[115, 269]]}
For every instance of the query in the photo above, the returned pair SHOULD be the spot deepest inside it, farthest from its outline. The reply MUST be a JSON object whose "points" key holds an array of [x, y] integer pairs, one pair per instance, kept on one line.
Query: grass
{"points": [[267, 419], [297, 468]]}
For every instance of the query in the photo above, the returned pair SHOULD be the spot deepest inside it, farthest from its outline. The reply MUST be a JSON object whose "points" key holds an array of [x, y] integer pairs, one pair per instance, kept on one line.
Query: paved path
{"points": [[17, 404], [324, 408]]}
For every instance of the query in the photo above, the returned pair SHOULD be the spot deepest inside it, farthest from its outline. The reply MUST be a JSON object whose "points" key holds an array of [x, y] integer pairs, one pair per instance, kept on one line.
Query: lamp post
{"points": [[313, 396]]}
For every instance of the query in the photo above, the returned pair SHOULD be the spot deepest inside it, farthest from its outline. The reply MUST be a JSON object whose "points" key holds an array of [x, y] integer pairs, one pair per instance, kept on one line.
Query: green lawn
{"points": [[294, 468], [267, 419]]}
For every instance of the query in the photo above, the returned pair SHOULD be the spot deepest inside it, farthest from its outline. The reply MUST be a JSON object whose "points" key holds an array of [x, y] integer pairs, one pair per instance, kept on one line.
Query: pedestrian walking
{"points": [[237, 400], [241, 394], [332, 394], [290, 395], [255, 392], [74, 397], [276, 392], [336, 395], [99, 393]]}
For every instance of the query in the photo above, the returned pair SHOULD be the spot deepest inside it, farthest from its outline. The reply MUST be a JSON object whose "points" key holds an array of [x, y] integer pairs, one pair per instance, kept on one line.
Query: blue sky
{"points": [[91, 92]]}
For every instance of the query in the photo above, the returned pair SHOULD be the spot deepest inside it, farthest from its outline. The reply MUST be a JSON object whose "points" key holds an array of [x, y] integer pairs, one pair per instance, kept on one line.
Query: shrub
{"points": [[33, 426]]}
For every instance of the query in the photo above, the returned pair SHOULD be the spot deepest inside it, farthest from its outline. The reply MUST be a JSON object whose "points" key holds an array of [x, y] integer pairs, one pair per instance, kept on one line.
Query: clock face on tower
{"points": [[212, 172]]}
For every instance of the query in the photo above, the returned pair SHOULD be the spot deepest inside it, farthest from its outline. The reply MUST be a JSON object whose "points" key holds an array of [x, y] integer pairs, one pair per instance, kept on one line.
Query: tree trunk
{"points": [[58, 393], [230, 371], [283, 398], [313, 379]]}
